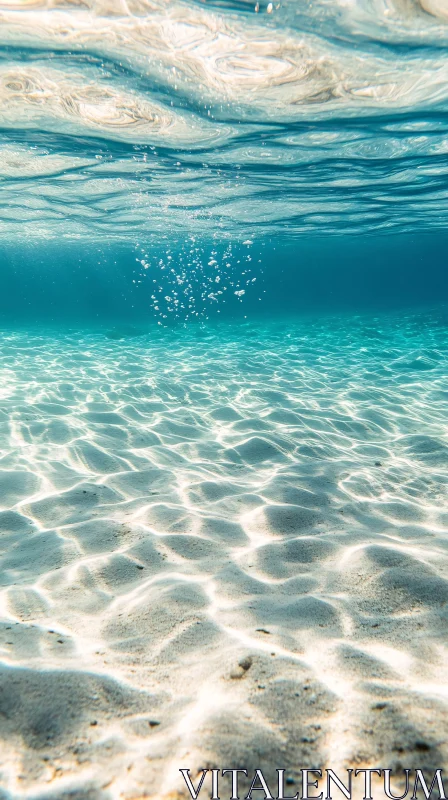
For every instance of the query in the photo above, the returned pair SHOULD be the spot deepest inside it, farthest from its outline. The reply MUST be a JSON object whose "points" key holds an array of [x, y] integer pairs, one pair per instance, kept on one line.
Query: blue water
{"points": [[100, 285]]}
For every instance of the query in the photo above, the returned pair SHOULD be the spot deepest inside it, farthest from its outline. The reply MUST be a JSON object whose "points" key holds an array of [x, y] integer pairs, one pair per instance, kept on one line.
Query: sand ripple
{"points": [[222, 548]]}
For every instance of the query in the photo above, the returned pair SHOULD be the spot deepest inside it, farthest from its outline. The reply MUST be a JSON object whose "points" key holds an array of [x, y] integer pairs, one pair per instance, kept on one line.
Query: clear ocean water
{"points": [[223, 390]]}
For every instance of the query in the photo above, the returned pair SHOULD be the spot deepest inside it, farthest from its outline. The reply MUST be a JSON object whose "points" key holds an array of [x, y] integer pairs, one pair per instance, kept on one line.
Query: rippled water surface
{"points": [[225, 116]]}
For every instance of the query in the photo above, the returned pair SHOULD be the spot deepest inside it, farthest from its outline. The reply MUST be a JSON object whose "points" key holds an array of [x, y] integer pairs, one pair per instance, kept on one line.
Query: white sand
{"points": [[225, 550]]}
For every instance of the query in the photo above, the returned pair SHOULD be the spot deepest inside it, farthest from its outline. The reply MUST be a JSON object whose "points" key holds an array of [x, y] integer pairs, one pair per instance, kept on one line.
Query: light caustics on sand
{"points": [[234, 556], [226, 116]]}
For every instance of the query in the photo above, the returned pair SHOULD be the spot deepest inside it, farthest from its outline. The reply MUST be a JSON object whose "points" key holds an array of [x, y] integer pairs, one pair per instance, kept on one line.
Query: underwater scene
{"points": [[223, 399]]}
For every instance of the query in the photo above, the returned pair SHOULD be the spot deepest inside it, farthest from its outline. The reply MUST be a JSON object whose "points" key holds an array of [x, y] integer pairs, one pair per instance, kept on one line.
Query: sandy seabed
{"points": [[222, 548]]}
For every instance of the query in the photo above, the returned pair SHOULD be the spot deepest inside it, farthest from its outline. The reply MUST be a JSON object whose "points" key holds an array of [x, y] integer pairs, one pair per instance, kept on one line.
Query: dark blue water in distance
{"points": [[68, 283]]}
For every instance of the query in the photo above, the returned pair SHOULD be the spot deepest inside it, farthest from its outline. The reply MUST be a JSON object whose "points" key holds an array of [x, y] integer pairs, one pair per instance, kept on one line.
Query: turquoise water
{"points": [[223, 391], [202, 282]]}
